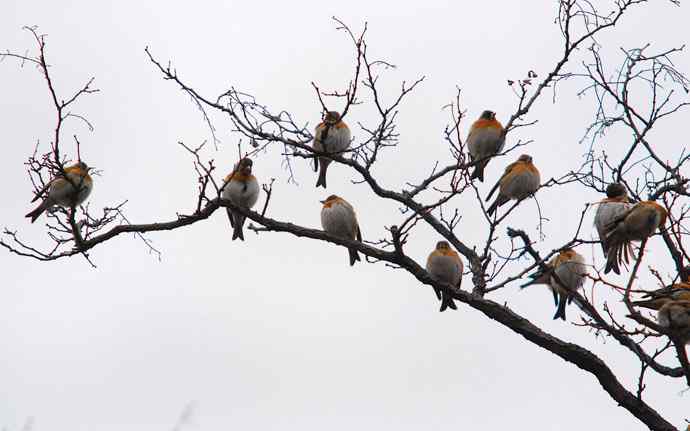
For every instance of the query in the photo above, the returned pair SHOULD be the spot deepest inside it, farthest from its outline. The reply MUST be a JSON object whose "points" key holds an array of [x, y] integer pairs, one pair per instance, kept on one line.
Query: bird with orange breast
{"points": [[68, 190], [242, 189], [636, 224], [331, 136], [610, 208], [565, 275], [444, 264], [519, 180], [486, 139], [339, 219]]}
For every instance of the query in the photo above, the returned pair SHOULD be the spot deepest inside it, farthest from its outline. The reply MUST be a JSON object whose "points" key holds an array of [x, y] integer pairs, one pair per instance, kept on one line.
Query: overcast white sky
{"points": [[280, 333]]}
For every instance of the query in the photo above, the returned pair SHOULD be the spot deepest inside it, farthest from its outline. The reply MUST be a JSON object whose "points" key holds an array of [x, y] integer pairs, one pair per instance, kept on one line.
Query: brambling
{"points": [[657, 298], [486, 139], [519, 180], [69, 190], [636, 224], [610, 208], [242, 189], [569, 270], [331, 136], [675, 315], [339, 219], [444, 265]]}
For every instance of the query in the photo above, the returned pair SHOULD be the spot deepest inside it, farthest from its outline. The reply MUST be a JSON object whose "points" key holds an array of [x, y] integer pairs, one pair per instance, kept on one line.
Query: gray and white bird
{"points": [[519, 180], [636, 224], [242, 189], [331, 136], [486, 139], [339, 219], [444, 264], [614, 205], [68, 190], [566, 274]]}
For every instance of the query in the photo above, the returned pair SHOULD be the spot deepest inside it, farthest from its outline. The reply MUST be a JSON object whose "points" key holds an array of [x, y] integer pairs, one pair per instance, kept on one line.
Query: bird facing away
{"points": [[636, 224], [331, 136], [675, 316], [565, 275], [242, 189], [610, 208], [519, 180], [69, 190], [444, 265], [339, 219], [486, 139]]}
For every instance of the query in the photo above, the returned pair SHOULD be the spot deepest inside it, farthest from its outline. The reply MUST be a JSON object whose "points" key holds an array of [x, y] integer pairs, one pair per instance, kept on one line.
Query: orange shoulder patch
{"points": [[482, 124]]}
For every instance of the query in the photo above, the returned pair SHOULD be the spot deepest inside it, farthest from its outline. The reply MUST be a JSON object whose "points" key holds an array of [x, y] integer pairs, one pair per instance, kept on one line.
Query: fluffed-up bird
{"points": [[636, 224], [519, 180], [444, 264], [242, 189], [339, 219], [675, 316], [70, 189], [331, 136], [615, 204], [565, 275], [486, 139]]}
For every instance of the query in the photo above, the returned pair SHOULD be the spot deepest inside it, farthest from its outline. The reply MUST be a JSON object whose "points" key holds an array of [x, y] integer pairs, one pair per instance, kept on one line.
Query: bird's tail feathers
{"points": [[354, 256], [237, 228], [33, 215]]}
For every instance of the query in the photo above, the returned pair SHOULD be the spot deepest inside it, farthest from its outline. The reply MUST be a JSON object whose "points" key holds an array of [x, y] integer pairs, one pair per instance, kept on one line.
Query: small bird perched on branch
{"points": [[444, 265], [657, 298], [242, 189], [339, 219], [68, 190], [636, 224], [610, 208], [519, 180], [331, 136], [565, 275], [486, 139]]}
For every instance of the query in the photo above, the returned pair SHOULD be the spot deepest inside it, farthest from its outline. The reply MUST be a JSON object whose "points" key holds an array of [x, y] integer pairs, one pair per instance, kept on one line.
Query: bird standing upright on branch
{"points": [[486, 139], [242, 189], [339, 219], [444, 265], [331, 136], [610, 208]]}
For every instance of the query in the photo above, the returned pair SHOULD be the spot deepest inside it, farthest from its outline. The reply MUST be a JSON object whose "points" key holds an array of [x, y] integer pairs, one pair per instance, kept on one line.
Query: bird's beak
{"points": [[323, 202]]}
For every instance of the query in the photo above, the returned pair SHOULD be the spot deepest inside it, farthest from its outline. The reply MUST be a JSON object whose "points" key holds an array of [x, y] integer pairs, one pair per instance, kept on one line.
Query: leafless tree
{"points": [[639, 92]]}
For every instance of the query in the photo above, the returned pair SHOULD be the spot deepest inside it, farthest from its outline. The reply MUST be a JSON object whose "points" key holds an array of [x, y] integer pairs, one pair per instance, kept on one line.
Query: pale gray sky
{"points": [[280, 333]]}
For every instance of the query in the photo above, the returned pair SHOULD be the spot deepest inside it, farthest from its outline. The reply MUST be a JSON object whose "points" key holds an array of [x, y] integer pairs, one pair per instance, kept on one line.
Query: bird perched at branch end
{"points": [[331, 136], [519, 180], [444, 264], [486, 139], [636, 224], [67, 190], [608, 209], [242, 189], [565, 274], [339, 219]]}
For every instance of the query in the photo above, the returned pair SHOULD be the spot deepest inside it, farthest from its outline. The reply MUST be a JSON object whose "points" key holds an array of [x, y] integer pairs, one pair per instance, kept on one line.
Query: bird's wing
{"points": [[507, 172]]}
